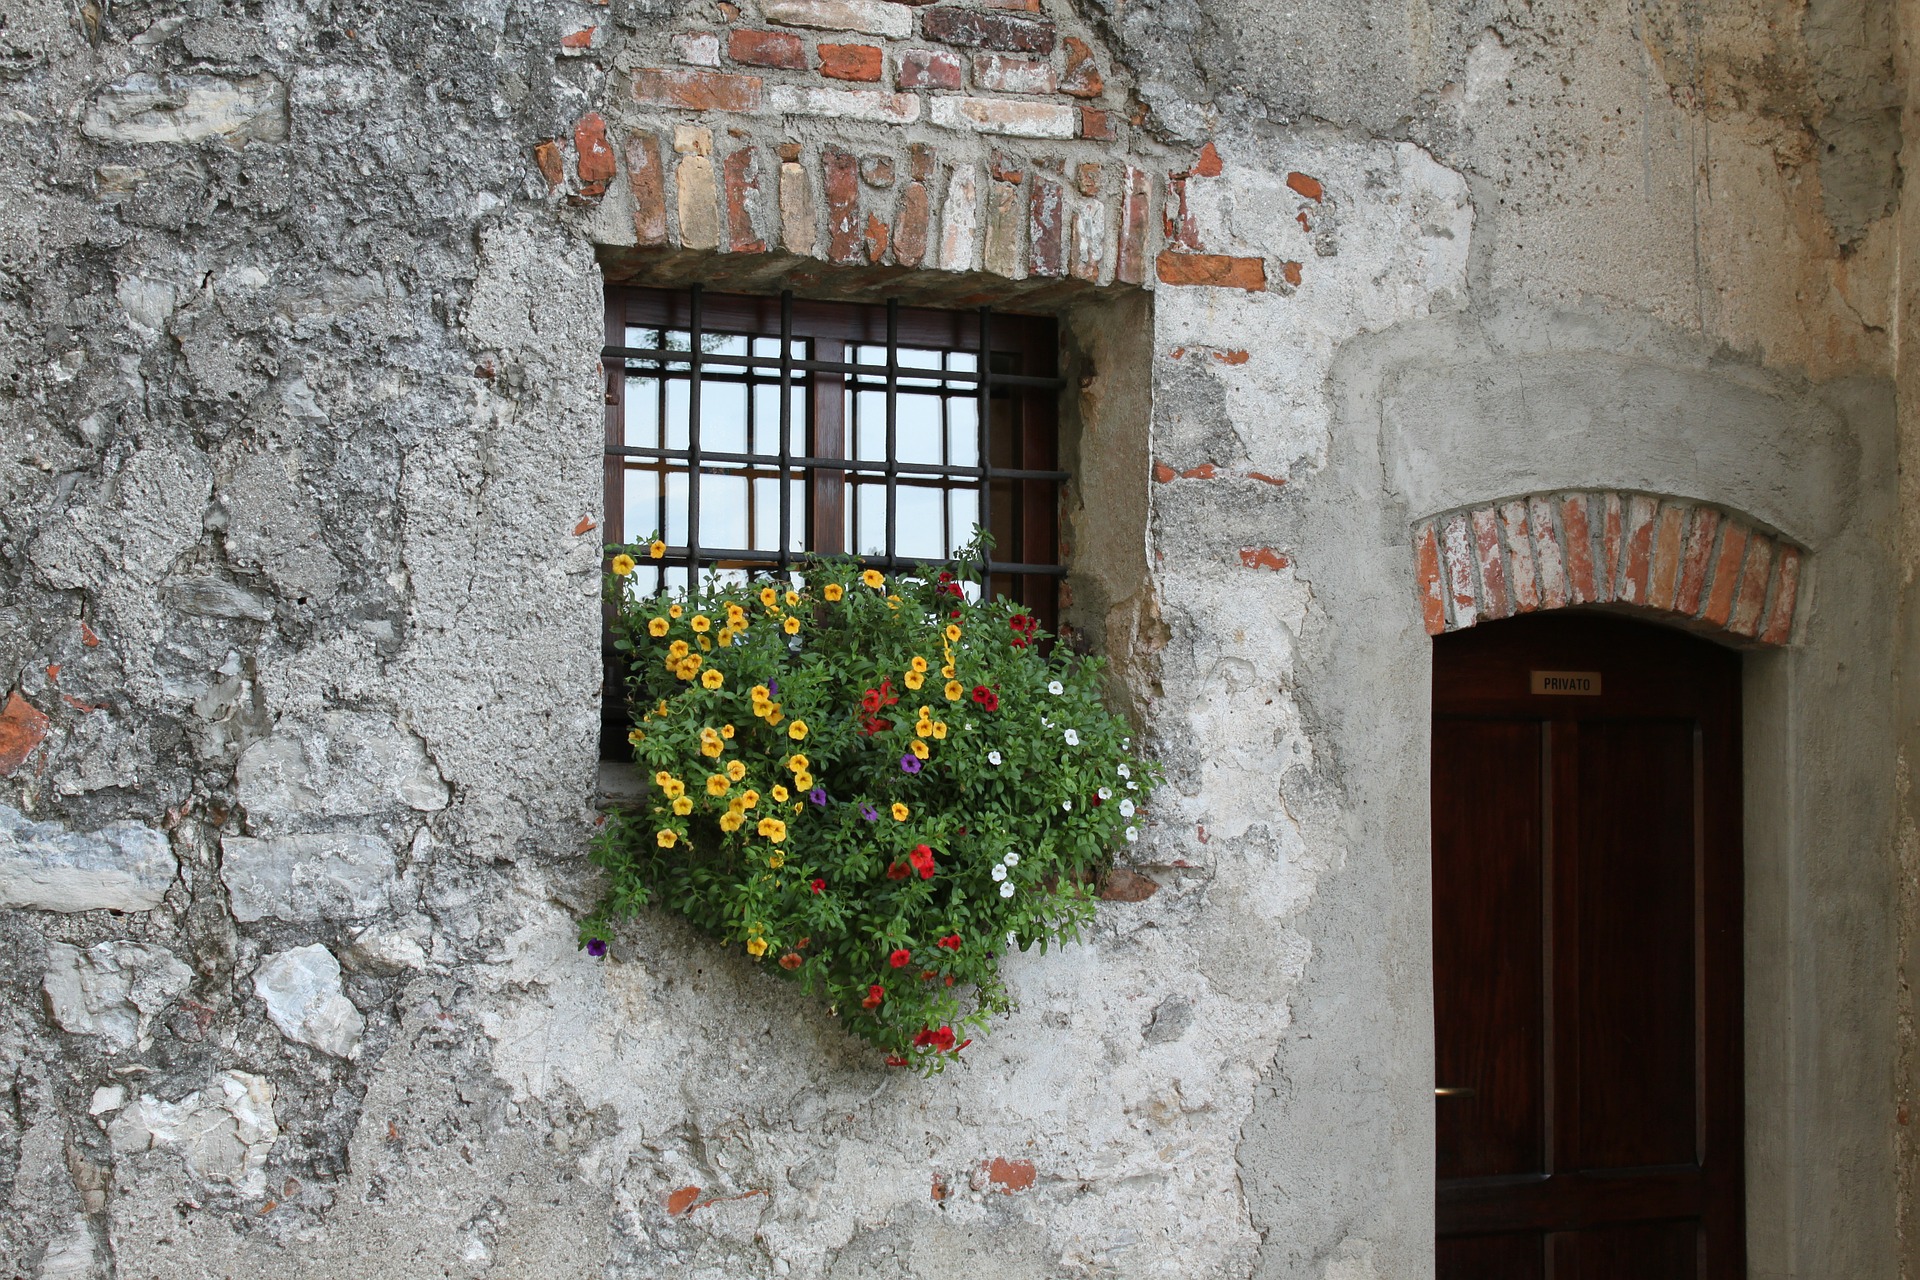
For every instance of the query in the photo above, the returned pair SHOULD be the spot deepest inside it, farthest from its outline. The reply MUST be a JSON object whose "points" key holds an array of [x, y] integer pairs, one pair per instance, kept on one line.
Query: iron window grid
{"points": [[668, 363], [1024, 433]]}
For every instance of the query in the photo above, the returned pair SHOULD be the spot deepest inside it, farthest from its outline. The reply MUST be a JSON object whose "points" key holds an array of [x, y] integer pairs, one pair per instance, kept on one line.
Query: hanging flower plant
{"points": [[874, 786]]}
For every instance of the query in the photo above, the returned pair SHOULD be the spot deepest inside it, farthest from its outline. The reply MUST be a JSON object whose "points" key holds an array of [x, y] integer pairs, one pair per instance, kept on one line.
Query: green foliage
{"points": [[872, 786]]}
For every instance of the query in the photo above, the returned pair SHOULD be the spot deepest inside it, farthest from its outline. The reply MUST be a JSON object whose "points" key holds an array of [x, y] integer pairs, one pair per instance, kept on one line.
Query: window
{"points": [[754, 432]]}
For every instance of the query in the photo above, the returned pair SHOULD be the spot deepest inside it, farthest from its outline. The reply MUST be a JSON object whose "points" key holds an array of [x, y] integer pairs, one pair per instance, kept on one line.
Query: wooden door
{"points": [[1586, 947]]}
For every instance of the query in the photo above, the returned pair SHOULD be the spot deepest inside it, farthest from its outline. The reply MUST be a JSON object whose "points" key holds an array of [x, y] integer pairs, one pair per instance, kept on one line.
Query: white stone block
{"points": [[872, 17], [301, 989], [342, 764], [1003, 116], [223, 1131], [113, 990], [845, 104], [143, 108], [121, 867], [306, 877]]}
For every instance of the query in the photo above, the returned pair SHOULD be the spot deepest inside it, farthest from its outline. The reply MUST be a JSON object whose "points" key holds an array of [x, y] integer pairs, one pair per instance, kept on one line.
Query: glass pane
{"points": [[963, 510], [870, 425], [919, 358], [797, 533], [644, 582], [643, 336], [723, 418], [917, 429], [919, 524], [725, 344], [676, 340], [963, 431], [871, 533], [676, 533], [962, 361], [766, 514], [723, 510], [675, 579], [677, 414], [798, 430], [642, 409], [642, 501], [722, 577]]}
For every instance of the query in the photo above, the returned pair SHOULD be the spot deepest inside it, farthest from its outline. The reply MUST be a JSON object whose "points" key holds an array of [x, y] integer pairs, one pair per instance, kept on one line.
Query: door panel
{"points": [[1494, 896], [1586, 890]]}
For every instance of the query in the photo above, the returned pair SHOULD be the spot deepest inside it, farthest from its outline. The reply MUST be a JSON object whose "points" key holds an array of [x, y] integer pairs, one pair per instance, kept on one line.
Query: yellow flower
{"points": [[874, 578], [797, 730], [731, 822], [918, 748], [724, 635], [953, 631], [893, 602], [793, 598], [717, 783], [798, 763], [924, 727], [661, 710], [803, 781], [658, 627], [666, 839], [777, 861], [779, 792], [833, 591], [914, 679], [773, 829], [773, 714], [636, 736], [790, 625], [713, 749], [726, 731], [677, 650], [955, 691], [700, 622], [756, 946], [768, 596], [689, 667], [759, 693], [622, 565], [674, 611], [712, 679], [752, 798], [657, 549], [948, 671], [662, 778], [673, 788], [940, 728], [683, 806], [918, 663], [736, 770], [900, 812], [705, 644]]}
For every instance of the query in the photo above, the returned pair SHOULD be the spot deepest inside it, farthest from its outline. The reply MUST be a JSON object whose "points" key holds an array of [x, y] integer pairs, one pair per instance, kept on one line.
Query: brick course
{"points": [[1690, 560]]}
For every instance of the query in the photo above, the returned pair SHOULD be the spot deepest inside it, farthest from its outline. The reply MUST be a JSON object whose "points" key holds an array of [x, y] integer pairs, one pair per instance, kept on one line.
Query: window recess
{"points": [[755, 432]]}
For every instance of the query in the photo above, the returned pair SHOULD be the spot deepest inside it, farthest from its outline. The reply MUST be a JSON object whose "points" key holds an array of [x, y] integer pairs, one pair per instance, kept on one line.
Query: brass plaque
{"points": [[1573, 683]]}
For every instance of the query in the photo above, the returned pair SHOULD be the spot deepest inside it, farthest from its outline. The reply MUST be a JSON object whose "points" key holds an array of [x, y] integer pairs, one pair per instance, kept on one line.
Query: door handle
{"points": [[1454, 1091]]}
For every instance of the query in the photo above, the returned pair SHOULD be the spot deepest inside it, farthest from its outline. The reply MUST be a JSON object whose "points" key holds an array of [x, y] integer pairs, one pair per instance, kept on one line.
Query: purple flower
{"points": [[596, 947], [773, 688], [870, 813], [910, 763], [819, 796]]}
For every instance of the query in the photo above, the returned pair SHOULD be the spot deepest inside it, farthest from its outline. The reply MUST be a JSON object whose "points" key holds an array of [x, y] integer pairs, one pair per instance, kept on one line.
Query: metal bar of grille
{"points": [[668, 355], [986, 444], [805, 462], [786, 421], [740, 557], [893, 419], [693, 446]]}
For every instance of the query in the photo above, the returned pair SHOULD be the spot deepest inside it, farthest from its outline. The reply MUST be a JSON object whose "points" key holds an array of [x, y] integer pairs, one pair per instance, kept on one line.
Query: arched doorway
{"points": [[1586, 810]]}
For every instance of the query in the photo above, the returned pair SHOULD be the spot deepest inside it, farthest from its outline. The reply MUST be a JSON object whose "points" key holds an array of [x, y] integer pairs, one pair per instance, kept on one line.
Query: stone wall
{"points": [[299, 561]]}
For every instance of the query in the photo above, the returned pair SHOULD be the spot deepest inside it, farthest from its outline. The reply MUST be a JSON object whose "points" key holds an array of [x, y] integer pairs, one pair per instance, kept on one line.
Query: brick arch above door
{"points": [[1702, 566]]}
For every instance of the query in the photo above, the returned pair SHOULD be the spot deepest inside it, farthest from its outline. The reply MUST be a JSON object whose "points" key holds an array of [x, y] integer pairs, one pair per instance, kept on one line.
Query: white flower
{"points": [[1012, 859], [1073, 737], [999, 872], [1124, 772], [1006, 890], [1126, 808], [1013, 939], [1133, 833], [1045, 723], [1105, 793], [993, 757], [1055, 688], [1126, 744], [1133, 786], [1066, 806]]}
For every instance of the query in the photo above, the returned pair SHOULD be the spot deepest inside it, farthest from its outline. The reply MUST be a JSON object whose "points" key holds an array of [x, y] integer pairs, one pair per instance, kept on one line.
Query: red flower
{"points": [[790, 962], [1019, 642], [951, 942], [1094, 801], [987, 698], [949, 979], [870, 704], [895, 1060], [900, 957], [940, 1038], [897, 871], [922, 859], [875, 994], [818, 885]]}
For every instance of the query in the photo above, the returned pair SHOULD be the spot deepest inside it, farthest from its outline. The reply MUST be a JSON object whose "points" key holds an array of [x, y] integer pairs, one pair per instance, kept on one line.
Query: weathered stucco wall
{"points": [[298, 617]]}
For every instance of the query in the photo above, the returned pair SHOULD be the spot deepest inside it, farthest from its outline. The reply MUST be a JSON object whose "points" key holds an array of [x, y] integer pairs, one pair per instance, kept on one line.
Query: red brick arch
{"points": [[1700, 564]]}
